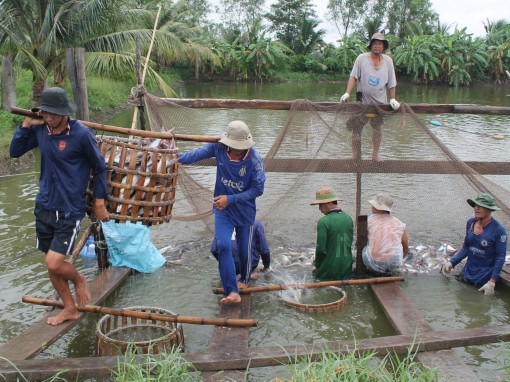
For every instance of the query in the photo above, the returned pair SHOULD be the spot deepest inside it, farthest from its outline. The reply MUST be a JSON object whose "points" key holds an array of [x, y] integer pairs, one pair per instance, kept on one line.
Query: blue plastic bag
{"points": [[129, 245]]}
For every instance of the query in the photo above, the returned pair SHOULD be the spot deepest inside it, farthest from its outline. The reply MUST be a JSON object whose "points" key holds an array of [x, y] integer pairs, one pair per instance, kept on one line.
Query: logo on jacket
{"points": [[503, 238], [242, 171], [62, 145], [484, 243]]}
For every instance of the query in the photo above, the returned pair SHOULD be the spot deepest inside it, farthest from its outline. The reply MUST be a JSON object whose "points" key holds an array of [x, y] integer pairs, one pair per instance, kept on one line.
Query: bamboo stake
{"points": [[239, 322], [135, 112], [122, 130], [322, 284]]}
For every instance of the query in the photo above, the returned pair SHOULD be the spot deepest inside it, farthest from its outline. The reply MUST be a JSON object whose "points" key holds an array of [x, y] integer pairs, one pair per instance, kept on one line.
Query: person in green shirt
{"points": [[333, 253]]}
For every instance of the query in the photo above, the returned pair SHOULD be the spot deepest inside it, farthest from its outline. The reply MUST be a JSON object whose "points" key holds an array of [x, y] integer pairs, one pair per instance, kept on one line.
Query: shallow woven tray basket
{"points": [[109, 325], [330, 307], [141, 179]]}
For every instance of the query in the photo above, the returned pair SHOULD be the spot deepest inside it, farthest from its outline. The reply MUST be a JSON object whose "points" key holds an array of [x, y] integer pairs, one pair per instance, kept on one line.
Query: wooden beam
{"points": [[100, 367], [40, 335], [298, 165], [407, 320], [422, 108]]}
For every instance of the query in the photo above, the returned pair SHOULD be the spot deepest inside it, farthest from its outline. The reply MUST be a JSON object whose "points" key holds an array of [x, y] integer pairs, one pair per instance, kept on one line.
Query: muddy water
{"points": [[184, 285]]}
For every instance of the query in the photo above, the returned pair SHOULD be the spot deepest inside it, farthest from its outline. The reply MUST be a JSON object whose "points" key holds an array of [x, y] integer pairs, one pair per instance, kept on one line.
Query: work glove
{"points": [[345, 97], [395, 105], [446, 268], [488, 288]]}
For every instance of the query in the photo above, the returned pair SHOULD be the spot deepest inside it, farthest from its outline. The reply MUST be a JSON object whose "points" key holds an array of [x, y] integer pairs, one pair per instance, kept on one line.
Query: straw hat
{"points": [[485, 201], [237, 136], [325, 195], [54, 100], [382, 202], [380, 37]]}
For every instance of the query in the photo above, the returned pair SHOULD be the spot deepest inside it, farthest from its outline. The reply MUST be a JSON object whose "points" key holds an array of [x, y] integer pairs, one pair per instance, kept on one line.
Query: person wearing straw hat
{"points": [[373, 73], [69, 153], [484, 247], [333, 251], [387, 237], [240, 179]]}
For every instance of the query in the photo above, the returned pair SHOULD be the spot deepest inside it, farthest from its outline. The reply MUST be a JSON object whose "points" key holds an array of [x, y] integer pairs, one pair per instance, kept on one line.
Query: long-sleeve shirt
{"points": [[333, 252], [259, 248], [241, 181], [485, 252], [66, 162]]}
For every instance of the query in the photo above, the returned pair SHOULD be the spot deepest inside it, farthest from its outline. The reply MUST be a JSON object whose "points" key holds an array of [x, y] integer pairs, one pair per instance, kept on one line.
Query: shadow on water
{"points": [[185, 285]]}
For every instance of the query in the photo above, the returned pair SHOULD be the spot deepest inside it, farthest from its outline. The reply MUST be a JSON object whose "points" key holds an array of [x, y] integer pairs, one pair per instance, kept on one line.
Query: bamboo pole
{"points": [[239, 322], [140, 98], [122, 130], [322, 284]]}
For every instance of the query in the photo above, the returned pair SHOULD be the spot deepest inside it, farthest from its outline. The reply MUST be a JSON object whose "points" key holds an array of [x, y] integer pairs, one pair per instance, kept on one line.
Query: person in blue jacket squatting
{"points": [[258, 249], [484, 246], [68, 153], [240, 179]]}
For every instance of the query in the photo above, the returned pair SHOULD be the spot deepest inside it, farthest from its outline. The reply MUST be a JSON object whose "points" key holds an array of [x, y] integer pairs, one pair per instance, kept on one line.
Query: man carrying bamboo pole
{"points": [[240, 179], [68, 154]]}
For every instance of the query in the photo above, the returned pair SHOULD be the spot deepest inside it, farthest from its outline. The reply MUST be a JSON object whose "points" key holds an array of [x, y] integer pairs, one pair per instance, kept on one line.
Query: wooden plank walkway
{"points": [[229, 341], [100, 367], [40, 335], [407, 320], [297, 165]]}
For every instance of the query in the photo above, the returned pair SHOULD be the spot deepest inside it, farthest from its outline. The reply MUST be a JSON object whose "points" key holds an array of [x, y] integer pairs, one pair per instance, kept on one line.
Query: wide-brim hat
{"points": [[54, 100], [382, 202], [237, 136], [380, 37], [325, 195], [485, 201]]}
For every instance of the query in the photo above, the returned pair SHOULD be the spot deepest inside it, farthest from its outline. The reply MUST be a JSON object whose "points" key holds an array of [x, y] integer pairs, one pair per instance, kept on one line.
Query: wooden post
{"points": [[361, 242]]}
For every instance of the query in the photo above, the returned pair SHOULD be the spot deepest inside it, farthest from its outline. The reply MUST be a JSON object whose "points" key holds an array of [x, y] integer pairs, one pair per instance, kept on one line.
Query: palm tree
{"points": [[417, 56]]}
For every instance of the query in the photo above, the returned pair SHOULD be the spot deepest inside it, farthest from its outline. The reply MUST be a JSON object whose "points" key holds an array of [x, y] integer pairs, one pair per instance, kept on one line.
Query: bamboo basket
{"points": [[330, 307], [115, 334], [141, 179]]}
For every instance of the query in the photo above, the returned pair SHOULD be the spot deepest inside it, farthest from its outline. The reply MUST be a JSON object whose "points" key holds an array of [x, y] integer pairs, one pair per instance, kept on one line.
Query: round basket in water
{"points": [[141, 179], [115, 334], [329, 307]]}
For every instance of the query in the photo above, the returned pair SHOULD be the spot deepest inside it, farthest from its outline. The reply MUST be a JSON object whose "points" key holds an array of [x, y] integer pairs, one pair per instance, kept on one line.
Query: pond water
{"points": [[184, 285]]}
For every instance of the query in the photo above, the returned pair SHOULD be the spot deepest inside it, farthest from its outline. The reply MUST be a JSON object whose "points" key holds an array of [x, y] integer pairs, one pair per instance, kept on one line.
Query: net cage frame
{"points": [[330, 307], [141, 179], [111, 324]]}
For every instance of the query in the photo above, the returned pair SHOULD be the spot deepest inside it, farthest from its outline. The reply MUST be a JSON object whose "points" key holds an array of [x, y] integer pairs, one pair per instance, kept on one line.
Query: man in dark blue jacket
{"points": [[68, 154], [259, 249]]}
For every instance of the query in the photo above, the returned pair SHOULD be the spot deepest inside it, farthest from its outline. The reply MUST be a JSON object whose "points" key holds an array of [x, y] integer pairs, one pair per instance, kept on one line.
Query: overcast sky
{"points": [[465, 13]]}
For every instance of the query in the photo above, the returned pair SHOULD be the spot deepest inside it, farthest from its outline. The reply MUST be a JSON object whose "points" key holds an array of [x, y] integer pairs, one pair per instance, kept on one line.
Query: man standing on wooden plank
{"points": [[240, 179], [333, 252], [373, 72], [68, 154]]}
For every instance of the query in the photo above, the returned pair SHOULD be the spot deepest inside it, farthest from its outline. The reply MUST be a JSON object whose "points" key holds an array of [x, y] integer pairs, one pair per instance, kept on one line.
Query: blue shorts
{"points": [[55, 231]]}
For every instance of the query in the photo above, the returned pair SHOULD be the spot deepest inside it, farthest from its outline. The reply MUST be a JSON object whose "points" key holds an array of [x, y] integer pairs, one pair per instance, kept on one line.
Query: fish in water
{"points": [[426, 258]]}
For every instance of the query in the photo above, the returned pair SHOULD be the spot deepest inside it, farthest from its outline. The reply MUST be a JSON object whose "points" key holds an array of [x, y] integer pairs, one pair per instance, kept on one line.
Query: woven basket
{"points": [[115, 334], [330, 307], [141, 179]]}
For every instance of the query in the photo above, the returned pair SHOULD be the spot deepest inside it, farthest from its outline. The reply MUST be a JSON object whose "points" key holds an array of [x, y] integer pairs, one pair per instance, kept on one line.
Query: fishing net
{"points": [[309, 145]]}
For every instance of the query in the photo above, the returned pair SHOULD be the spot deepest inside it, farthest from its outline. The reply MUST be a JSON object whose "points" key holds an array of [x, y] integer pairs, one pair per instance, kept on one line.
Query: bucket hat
{"points": [[382, 202], [54, 100], [380, 37], [237, 136], [485, 201], [325, 195]]}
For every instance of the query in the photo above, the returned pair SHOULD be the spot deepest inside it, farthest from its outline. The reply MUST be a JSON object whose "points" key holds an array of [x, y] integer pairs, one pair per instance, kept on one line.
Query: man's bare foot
{"points": [[377, 158], [232, 298], [82, 292], [241, 285], [255, 274], [354, 158], [64, 315]]}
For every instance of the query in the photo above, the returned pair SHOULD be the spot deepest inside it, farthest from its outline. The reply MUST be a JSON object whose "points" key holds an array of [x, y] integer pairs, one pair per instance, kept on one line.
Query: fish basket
{"points": [[141, 179], [330, 307], [117, 334]]}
